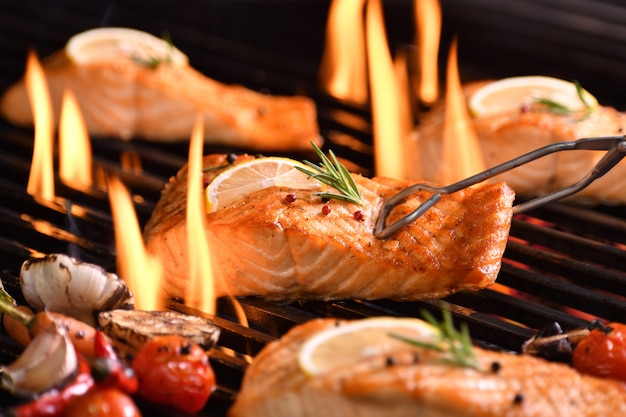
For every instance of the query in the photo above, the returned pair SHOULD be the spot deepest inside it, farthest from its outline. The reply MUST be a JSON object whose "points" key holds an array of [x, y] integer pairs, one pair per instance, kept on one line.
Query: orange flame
{"points": [[462, 156], [200, 288], [75, 156], [142, 272], [343, 72], [427, 35], [385, 97], [41, 179], [404, 97]]}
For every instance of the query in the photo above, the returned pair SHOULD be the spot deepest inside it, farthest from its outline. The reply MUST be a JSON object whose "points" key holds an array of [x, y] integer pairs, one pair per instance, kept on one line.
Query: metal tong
{"points": [[614, 145]]}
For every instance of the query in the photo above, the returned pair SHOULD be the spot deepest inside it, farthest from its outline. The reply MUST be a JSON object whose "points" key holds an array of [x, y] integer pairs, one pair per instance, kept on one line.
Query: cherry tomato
{"points": [[102, 402], [603, 352], [173, 371]]}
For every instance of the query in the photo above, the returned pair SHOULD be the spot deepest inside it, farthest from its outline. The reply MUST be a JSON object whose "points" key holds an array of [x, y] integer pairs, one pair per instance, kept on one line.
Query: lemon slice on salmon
{"points": [[351, 342], [512, 94], [245, 178], [110, 43]]}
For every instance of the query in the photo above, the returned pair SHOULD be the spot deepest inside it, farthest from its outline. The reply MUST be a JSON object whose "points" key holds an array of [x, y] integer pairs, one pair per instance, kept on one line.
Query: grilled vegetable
{"points": [[175, 372], [65, 285], [22, 325], [603, 352], [108, 370], [5, 297], [49, 361], [126, 330], [136, 327], [53, 403], [554, 344], [102, 402], [98, 387], [15, 327]]}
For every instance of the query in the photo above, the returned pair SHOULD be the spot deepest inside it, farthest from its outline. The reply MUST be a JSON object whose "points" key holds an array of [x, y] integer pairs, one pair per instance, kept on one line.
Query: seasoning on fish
{"points": [[409, 380], [522, 124], [128, 96], [294, 248]]}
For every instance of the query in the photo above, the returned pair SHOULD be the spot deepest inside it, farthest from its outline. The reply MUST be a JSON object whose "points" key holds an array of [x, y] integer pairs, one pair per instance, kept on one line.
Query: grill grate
{"points": [[562, 263]]}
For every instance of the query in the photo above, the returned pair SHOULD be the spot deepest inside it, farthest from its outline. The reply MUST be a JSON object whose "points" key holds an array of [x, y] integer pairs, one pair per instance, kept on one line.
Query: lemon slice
{"points": [[110, 43], [242, 179], [511, 94], [356, 340]]}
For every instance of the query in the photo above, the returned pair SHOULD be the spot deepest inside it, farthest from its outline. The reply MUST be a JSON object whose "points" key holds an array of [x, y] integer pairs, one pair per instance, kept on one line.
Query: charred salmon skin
{"points": [[504, 136], [126, 99], [266, 244], [414, 381]]}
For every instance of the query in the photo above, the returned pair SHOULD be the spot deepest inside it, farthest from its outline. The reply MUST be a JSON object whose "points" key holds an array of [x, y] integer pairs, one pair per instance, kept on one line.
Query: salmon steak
{"points": [[504, 136], [302, 247], [126, 99], [415, 381]]}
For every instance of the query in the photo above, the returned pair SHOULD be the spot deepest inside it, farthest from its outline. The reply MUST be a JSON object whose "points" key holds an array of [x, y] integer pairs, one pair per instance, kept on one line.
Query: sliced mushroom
{"points": [[138, 326]]}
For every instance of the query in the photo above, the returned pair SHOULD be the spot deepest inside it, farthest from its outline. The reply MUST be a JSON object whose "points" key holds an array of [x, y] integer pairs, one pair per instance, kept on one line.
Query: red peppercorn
{"points": [[358, 215], [205, 182], [325, 209], [290, 198]]}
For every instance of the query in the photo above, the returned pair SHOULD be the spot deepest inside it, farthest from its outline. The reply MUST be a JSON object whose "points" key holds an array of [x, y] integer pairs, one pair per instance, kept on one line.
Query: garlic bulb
{"points": [[65, 285], [48, 361]]}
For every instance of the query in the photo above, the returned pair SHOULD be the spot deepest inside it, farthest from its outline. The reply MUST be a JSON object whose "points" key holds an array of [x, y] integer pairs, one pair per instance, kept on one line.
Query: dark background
{"points": [[277, 44]]}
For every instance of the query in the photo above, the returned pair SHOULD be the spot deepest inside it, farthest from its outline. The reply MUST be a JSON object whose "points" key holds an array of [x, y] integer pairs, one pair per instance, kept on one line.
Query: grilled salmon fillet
{"points": [[267, 245], [415, 382], [505, 136], [126, 99]]}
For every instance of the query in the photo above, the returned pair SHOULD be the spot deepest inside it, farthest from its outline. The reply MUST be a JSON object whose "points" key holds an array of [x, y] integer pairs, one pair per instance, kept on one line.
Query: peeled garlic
{"points": [[65, 285], [48, 361]]}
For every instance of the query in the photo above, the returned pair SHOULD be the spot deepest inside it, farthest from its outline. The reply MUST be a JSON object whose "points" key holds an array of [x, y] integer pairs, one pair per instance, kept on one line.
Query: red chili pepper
{"points": [[102, 347], [54, 402], [108, 370]]}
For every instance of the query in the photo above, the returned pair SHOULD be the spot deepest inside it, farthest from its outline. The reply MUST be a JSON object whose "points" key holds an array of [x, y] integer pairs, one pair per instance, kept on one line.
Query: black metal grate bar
{"points": [[563, 263]]}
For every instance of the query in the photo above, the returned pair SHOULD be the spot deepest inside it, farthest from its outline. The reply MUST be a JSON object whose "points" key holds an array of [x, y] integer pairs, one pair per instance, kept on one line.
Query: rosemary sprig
{"points": [[154, 61], [563, 110], [331, 172], [456, 343]]}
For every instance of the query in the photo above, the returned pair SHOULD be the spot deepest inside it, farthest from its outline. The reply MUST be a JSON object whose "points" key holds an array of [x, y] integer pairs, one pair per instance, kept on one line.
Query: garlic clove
{"points": [[47, 362], [63, 284]]}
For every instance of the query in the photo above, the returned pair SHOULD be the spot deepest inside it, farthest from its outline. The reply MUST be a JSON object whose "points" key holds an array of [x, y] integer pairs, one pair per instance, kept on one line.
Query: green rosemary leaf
{"points": [[332, 173], [559, 108], [457, 344], [555, 107], [153, 62]]}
